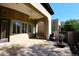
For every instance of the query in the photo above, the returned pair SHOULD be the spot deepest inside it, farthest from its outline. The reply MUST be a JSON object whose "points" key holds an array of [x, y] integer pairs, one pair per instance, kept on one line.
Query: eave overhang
{"points": [[48, 8]]}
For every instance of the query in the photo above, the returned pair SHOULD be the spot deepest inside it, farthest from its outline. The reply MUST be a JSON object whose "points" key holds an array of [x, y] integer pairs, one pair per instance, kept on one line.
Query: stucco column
{"points": [[46, 29], [49, 26], [36, 28]]}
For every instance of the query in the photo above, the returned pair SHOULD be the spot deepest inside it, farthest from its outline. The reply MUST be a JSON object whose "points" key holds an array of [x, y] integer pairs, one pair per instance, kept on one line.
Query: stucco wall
{"points": [[41, 27], [18, 38], [6, 13], [48, 16]]}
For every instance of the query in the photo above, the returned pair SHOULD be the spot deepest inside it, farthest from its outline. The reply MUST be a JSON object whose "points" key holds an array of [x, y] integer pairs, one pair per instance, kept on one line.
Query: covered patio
{"points": [[25, 19]]}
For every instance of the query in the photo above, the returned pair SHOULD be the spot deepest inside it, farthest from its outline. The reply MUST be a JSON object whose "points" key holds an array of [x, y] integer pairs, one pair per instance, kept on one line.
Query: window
{"points": [[29, 28], [16, 27], [18, 24], [24, 27], [4, 27], [19, 27]]}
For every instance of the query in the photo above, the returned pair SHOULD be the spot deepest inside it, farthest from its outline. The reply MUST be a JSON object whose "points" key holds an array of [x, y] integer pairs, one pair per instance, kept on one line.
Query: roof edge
{"points": [[48, 8]]}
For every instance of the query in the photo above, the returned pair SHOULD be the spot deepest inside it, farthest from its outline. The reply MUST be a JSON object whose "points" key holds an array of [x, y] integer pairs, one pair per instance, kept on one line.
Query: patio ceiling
{"points": [[25, 8]]}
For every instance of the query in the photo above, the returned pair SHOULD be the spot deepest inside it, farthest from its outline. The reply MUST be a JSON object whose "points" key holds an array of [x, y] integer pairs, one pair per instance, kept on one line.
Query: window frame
{"points": [[24, 27], [21, 26], [16, 32]]}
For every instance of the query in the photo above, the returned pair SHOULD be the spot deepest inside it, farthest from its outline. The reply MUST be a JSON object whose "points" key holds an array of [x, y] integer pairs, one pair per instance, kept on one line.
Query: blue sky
{"points": [[65, 11]]}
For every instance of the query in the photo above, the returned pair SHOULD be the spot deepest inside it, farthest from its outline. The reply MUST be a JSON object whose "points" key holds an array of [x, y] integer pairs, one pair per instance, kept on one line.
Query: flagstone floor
{"points": [[33, 47]]}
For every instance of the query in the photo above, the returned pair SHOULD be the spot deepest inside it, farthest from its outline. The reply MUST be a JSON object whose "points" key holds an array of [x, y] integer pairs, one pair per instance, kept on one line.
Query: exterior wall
{"points": [[41, 31], [56, 23], [41, 26], [6, 13], [12, 14], [18, 38], [47, 15]]}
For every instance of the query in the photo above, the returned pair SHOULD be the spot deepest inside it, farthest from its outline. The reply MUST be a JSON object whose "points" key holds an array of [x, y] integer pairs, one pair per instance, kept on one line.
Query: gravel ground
{"points": [[33, 47]]}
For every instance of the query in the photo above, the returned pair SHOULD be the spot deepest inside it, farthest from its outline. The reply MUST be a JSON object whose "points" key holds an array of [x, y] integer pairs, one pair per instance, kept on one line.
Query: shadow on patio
{"points": [[35, 50], [13, 50], [46, 50]]}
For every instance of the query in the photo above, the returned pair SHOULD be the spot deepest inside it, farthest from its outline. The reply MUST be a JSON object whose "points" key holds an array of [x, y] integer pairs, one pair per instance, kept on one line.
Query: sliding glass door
{"points": [[4, 29]]}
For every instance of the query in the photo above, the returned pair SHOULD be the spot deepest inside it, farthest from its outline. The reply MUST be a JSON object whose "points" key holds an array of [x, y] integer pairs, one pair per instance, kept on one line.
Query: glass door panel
{"points": [[4, 29]]}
